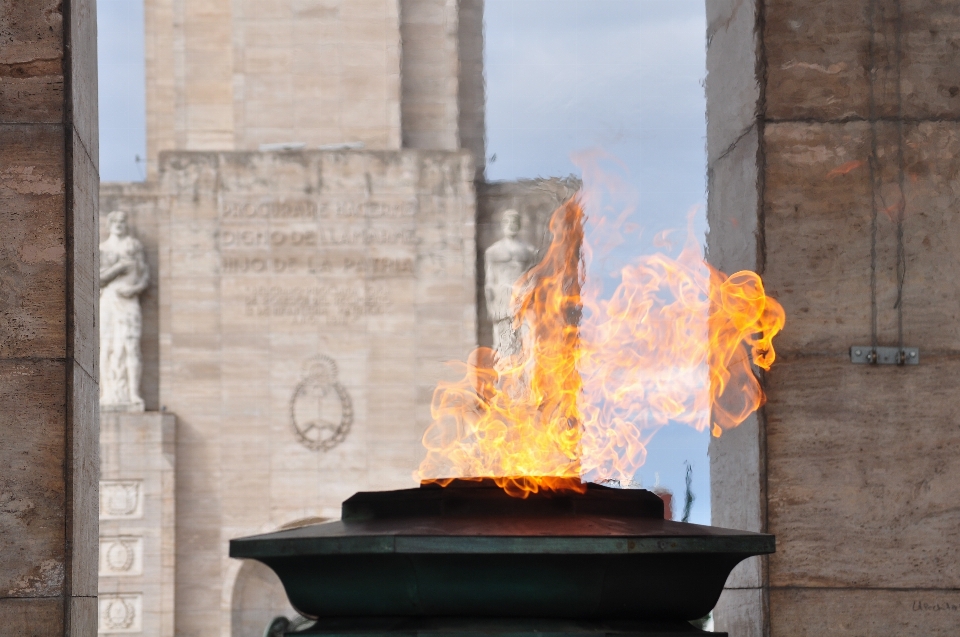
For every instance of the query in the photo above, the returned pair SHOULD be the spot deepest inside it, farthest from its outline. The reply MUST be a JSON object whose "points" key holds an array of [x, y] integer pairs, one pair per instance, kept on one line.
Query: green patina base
{"points": [[599, 561]]}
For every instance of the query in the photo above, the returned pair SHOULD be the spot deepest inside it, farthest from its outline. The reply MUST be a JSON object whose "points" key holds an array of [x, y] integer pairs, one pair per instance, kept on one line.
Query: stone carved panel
{"points": [[321, 410], [121, 499], [121, 556], [120, 613], [317, 261], [271, 259]]}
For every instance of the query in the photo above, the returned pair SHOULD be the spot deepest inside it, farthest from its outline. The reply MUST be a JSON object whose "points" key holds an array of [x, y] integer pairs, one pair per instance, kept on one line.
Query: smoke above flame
{"points": [[675, 342]]}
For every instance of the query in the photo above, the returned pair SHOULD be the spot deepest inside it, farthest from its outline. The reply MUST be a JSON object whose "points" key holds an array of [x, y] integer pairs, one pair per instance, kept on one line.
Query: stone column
{"points": [[48, 309], [834, 164], [429, 69], [442, 105], [137, 523], [471, 85]]}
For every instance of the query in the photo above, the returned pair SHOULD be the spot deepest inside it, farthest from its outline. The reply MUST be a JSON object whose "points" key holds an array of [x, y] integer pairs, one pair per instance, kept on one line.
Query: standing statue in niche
{"points": [[504, 263], [123, 277]]}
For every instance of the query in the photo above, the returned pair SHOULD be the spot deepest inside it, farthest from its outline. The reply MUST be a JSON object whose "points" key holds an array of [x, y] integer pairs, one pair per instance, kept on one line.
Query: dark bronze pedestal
{"points": [[469, 559], [492, 627]]}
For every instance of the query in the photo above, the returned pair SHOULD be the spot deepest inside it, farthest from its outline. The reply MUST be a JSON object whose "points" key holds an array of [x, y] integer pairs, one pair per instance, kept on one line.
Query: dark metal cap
{"points": [[482, 497]]}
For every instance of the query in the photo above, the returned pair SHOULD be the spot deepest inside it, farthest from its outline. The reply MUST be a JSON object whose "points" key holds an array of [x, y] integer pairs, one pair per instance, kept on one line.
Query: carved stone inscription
{"points": [[301, 209], [337, 303], [268, 239], [349, 249], [311, 264]]}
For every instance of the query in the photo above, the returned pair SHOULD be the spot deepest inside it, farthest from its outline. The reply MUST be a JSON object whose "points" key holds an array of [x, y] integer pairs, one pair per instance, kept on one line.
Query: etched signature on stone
{"points": [[321, 410], [121, 499], [120, 613], [937, 606]]}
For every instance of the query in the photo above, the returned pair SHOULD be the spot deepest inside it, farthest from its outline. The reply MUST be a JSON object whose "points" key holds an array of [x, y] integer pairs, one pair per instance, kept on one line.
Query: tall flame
{"points": [[675, 342]]}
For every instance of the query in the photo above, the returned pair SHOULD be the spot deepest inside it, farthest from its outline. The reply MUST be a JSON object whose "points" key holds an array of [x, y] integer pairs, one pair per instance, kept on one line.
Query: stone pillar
{"points": [[428, 74], [48, 309], [471, 87], [137, 523], [442, 105], [287, 362], [834, 164], [236, 74]]}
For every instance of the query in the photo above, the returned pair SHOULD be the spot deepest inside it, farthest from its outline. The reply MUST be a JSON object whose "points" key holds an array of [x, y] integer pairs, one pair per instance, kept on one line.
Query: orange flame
{"points": [[597, 378]]}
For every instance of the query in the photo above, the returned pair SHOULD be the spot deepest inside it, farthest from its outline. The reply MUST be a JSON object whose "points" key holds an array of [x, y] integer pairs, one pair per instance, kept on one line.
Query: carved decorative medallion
{"points": [[121, 556], [121, 499], [321, 410], [120, 613]]}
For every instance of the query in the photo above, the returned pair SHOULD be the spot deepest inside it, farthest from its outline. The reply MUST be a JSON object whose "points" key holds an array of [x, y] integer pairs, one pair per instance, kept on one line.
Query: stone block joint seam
{"points": [[66, 8], [761, 73], [876, 179]]}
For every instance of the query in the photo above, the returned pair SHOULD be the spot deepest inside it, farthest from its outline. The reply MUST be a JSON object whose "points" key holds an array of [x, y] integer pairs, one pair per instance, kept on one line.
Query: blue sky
{"points": [[123, 129], [625, 76], [562, 76]]}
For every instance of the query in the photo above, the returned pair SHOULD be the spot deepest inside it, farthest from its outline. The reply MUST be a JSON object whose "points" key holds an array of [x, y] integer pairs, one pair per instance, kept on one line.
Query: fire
{"points": [[598, 377]]}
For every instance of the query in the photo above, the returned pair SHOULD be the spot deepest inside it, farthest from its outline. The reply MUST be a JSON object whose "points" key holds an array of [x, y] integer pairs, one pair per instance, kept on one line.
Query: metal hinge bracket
{"points": [[867, 355]]}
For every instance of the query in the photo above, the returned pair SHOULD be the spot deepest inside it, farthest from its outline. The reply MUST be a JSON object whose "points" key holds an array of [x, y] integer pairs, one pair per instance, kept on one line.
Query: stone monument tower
{"points": [[314, 222], [387, 74], [308, 225]]}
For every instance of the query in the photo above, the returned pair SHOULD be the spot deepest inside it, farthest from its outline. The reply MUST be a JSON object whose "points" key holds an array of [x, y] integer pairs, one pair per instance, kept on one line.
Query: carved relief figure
{"points": [[504, 263], [123, 277]]}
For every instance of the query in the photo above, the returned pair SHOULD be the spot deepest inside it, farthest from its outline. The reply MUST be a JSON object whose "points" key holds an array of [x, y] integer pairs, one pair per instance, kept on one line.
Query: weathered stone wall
{"points": [[188, 48], [316, 72], [535, 200], [830, 125], [471, 89], [48, 305], [429, 109], [306, 298], [442, 104], [234, 74]]}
